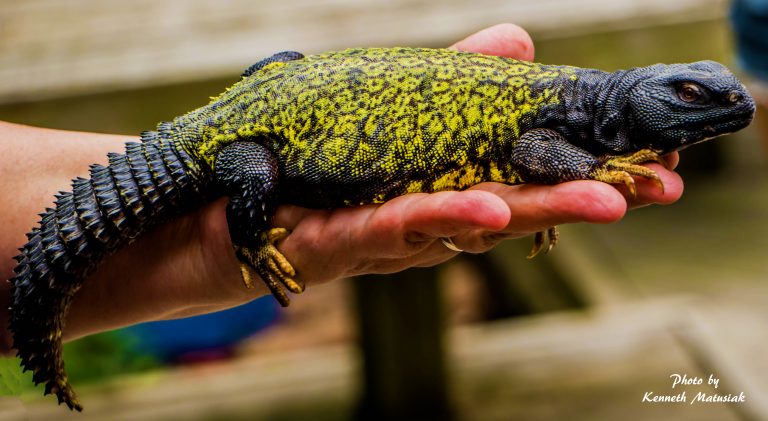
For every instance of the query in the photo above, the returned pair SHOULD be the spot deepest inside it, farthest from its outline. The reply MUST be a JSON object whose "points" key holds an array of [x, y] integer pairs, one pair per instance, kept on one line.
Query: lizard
{"points": [[356, 127]]}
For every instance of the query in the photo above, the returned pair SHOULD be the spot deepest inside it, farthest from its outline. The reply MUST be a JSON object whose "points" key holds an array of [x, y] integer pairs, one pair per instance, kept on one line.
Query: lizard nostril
{"points": [[735, 97]]}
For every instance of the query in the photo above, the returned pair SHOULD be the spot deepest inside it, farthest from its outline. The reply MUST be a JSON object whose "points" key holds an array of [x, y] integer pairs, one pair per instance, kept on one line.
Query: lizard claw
{"points": [[271, 265], [616, 177], [551, 235], [538, 242], [554, 237], [621, 169]]}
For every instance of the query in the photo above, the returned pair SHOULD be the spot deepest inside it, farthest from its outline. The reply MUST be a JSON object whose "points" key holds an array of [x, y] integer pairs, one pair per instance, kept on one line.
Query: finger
{"points": [[537, 207], [505, 40], [290, 216], [540, 207], [672, 159], [649, 192], [445, 214], [370, 237], [434, 253], [407, 225]]}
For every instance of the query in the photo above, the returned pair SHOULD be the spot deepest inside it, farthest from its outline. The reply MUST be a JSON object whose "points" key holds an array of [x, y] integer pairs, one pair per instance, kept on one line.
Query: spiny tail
{"points": [[148, 184]]}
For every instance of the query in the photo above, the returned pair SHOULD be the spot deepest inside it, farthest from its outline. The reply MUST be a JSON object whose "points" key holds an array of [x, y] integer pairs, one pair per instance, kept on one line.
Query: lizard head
{"points": [[677, 105]]}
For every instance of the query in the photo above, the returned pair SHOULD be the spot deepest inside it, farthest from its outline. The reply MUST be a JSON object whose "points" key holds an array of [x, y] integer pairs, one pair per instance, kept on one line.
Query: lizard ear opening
{"points": [[612, 131]]}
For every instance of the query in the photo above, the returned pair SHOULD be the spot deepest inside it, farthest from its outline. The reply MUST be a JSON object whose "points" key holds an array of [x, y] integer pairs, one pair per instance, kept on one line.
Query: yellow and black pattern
{"points": [[412, 119]]}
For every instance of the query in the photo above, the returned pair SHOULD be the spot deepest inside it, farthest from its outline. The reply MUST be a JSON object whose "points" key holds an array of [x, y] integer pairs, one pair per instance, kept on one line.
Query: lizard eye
{"points": [[691, 92]]}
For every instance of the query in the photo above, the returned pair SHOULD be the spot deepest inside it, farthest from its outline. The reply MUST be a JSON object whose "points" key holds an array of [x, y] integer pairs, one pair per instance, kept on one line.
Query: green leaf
{"points": [[12, 380]]}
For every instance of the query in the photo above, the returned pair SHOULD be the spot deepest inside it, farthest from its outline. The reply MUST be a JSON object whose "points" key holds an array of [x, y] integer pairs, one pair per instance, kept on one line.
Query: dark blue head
{"points": [[674, 106]]}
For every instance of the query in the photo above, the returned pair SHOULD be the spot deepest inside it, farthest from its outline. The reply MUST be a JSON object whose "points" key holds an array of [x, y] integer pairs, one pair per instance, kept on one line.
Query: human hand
{"points": [[188, 267]]}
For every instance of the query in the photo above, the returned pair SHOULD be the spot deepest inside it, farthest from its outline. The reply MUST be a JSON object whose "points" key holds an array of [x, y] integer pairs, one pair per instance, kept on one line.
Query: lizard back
{"points": [[365, 125]]}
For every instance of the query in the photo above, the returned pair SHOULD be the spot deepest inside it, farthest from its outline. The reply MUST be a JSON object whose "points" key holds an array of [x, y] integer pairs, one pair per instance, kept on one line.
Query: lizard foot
{"points": [[269, 264], [619, 170], [550, 234]]}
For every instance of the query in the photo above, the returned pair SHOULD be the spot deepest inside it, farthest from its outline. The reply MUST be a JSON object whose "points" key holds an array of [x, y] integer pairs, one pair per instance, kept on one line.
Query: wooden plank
{"points": [[401, 325], [50, 48]]}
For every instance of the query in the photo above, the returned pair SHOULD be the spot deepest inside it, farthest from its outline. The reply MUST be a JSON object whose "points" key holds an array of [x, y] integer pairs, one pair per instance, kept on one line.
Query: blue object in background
{"points": [[750, 25], [213, 334]]}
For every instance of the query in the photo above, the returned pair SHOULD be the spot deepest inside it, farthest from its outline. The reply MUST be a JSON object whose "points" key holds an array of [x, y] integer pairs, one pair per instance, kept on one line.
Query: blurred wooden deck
{"points": [[579, 366], [50, 48]]}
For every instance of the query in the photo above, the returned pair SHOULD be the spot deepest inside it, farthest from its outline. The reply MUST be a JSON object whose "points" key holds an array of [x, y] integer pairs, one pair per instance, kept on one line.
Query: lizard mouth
{"points": [[726, 126], [702, 133], [685, 145], [708, 132]]}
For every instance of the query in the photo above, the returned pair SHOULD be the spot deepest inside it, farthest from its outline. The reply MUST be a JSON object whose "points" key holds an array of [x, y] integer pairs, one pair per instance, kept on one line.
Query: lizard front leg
{"points": [[545, 156], [248, 172], [620, 169]]}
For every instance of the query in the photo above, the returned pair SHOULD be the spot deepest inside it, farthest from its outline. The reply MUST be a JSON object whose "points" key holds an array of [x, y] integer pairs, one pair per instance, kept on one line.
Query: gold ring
{"points": [[448, 242]]}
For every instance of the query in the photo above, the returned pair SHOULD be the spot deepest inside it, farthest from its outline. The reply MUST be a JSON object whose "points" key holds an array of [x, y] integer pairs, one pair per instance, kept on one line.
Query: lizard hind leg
{"points": [[248, 172]]}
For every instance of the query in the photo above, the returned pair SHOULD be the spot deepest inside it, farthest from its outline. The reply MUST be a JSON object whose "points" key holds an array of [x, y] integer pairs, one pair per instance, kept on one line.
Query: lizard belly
{"points": [[332, 192]]}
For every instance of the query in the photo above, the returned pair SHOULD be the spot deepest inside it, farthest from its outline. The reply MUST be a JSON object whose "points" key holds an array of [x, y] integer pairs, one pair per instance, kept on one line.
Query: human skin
{"points": [[187, 266]]}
